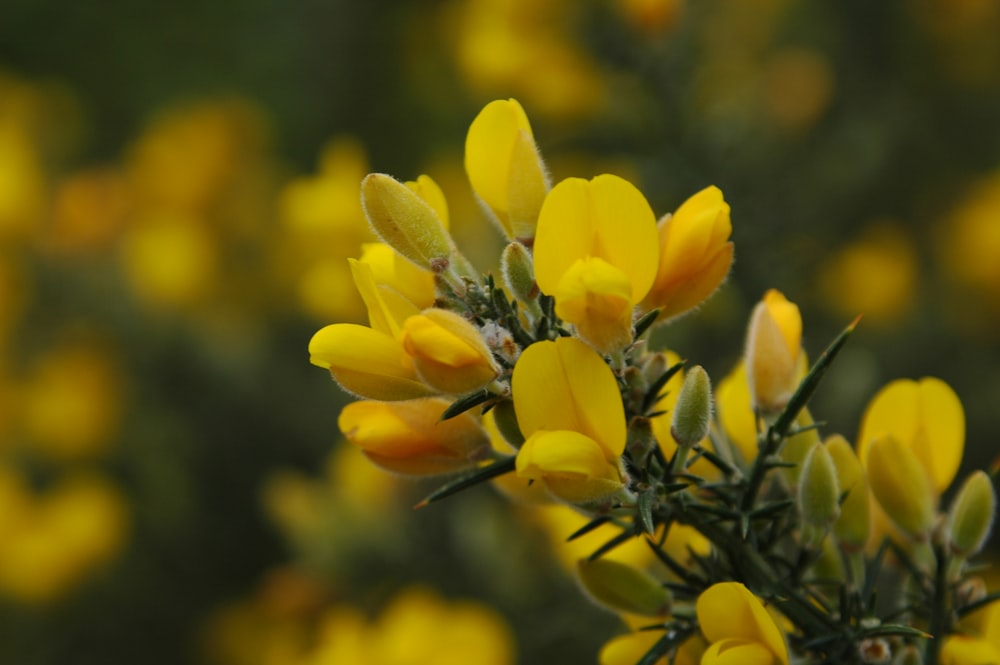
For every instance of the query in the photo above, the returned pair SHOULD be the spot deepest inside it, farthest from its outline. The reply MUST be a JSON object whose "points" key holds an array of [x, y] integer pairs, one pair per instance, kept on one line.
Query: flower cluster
{"points": [[770, 542]]}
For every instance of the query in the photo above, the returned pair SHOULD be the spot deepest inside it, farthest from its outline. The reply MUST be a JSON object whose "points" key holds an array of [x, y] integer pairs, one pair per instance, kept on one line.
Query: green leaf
{"points": [[482, 474], [646, 510], [644, 322], [588, 527], [466, 402]]}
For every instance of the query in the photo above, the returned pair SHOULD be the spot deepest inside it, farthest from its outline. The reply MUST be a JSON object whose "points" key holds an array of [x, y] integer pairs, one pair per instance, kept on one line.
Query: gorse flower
{"points": [[676, 502], [596, 254], [738, 628], [570, 413]]}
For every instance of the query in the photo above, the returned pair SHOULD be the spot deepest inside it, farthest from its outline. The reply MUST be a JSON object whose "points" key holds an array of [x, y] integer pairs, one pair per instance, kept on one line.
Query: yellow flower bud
{"points": [[695, 254], [518, 272], [738, 628], [448, 352], [406, 222], [971, 515], [901, 486], [774, 352], [693, 411], [505, 168], [853, 527], [819, 490], [596, 254], [410, 437], [623, 588]]}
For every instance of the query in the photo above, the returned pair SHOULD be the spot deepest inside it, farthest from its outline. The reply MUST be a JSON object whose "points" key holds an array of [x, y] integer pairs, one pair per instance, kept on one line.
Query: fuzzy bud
{"points": [[819, 490], [623, 588], [518, 272], [693, 411], [971, 515], [405, 221], [853, 527]]}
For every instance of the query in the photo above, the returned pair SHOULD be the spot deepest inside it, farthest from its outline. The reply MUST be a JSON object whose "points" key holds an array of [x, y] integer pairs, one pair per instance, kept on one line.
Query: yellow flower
{"points": [[410, 437], [448, 352], [733, 402], [774, 352], [570, 411], [370, 362], [738, 628], [968, 650], [505, 168], [695, 254], [596, 254], [924, 416]]}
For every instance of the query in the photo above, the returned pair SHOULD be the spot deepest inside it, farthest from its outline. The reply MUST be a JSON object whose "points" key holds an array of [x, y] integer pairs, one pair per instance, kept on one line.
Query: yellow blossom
{"points": [[924, 416], [570, 412], [448, 352], [410, 437], [695, 254], [391, 269], [505, 168], [370, 362], [774, 352], [596, 253], [738, 628]]}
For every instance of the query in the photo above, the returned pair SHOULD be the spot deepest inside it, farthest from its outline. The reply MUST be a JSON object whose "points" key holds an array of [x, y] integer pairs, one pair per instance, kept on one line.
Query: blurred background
{"points": [[178, 196]]}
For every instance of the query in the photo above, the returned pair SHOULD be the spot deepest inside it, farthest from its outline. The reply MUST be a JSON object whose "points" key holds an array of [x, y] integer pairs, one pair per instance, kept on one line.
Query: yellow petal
{"points": [[607, 218], [737, 652], [629, 649], [572, 466], [596, 297], [728, 611], [390, 269], [410, 437], [366, 362], [448, 352], [565, 385], [966, 650], [428, 190], [504, 167], [732, 400], [927, 417], [384, 314]]}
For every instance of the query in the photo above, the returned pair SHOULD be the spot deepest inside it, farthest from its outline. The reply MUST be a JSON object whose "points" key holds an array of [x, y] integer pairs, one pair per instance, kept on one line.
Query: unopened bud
{"points": [[405, 221], [623, 588], [693, 411], [506, 422], [971, 514], [853, 527], [819, 490], [773, 352], [518, 272], [901, 486]]}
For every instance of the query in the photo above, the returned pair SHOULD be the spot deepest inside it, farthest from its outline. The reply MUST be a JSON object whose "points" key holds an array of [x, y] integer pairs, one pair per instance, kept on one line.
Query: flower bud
{"points": [[971, 515], [505, 168], [448, 352], [901, 486], [623, 588], [518, 272], [693, 411], [853, 527], [773, 352], [410, 437], [819, 490], [695, 254], [425, 187], [405, 221]]}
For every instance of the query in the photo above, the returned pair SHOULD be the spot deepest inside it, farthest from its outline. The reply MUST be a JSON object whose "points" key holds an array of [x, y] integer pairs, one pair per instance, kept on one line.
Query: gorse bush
{"points": [[796, 547]]}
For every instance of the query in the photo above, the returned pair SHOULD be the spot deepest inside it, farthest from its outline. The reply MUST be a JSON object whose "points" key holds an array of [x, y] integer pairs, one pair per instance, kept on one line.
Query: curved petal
{"points": [[565, 454], [737, 652], [729, 611], [900, 485], [565, 385]]}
